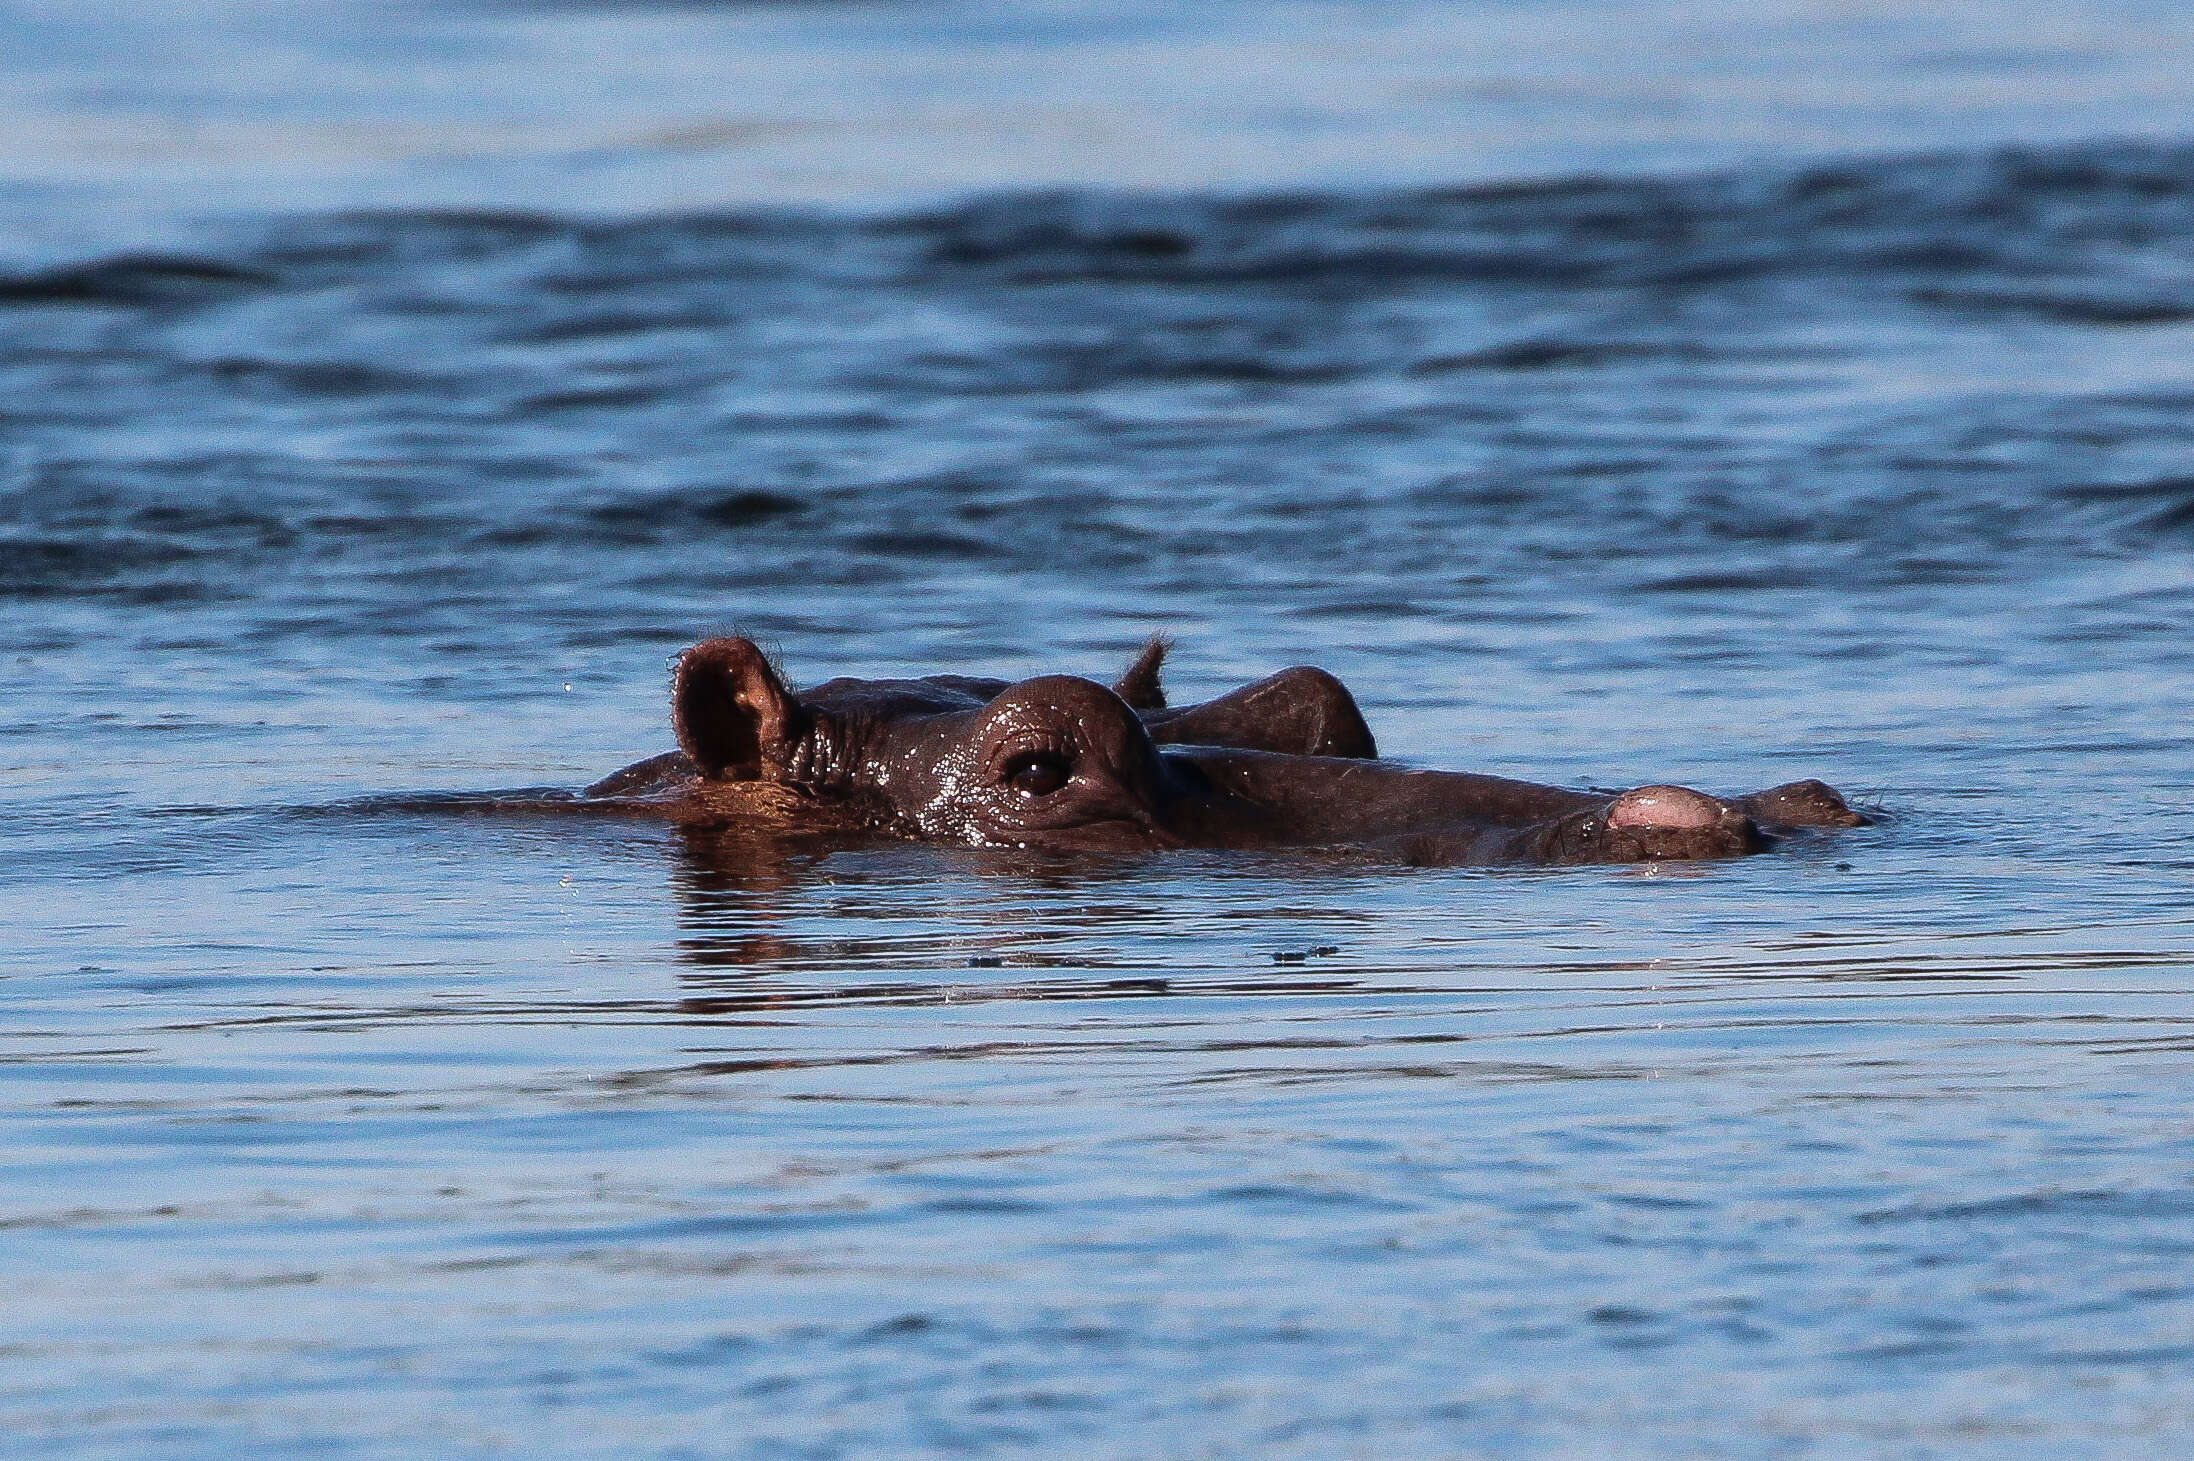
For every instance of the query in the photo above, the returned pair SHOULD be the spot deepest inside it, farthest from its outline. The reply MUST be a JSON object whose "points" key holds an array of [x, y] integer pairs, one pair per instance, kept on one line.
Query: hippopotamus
{"points": [[1065, 763], [1301, 711]]}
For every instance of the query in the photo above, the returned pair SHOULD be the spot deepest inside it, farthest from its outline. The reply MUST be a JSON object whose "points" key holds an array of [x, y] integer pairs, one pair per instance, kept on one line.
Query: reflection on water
{"points": [[601, 1122]]}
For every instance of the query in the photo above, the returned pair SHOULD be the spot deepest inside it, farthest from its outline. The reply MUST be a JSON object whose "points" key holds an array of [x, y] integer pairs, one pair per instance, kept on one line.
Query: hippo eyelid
{"points": [[1025, 742]]}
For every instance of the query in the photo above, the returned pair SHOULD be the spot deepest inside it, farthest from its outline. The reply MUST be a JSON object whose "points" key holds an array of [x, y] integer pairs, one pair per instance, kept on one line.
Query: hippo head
{"points": [[1052, 762], [1064, 763]]}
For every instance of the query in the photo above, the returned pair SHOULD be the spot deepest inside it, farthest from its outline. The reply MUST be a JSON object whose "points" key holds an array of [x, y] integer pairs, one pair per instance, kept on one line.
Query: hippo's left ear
{"points": [[733, 716]]}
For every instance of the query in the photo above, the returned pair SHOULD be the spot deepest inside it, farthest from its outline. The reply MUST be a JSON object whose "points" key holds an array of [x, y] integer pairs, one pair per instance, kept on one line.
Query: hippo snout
{"points": [[1659, 823], [1672, 808]]}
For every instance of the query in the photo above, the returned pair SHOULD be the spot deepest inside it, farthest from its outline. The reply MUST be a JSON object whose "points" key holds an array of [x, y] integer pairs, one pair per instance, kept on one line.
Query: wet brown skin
{"points": [[1065, 763], [1303, 711]]}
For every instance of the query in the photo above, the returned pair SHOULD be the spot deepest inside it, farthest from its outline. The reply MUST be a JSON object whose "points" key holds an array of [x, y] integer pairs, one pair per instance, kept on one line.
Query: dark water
{"points": [[341, 1130]]}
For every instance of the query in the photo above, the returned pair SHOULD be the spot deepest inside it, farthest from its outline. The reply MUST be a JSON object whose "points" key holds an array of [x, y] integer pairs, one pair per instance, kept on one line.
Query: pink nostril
{"points": [[1665, 806]]}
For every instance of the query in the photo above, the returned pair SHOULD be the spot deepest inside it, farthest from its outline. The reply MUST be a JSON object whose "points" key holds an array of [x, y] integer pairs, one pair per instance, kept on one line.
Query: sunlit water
{"points": [[336, 1128]]}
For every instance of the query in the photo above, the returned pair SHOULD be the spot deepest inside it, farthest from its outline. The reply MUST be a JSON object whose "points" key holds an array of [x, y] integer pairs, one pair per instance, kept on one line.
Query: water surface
{"points": [[340, 1129]]}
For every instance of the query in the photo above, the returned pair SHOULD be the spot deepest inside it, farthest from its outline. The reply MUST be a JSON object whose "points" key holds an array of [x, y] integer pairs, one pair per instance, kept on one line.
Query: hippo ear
{"points": [[733, 716], [1139, 687]]}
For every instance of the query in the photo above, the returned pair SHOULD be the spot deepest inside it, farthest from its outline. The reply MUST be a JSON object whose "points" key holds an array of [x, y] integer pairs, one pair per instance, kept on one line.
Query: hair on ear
{"points": [[732, 712], [1140, 686]]}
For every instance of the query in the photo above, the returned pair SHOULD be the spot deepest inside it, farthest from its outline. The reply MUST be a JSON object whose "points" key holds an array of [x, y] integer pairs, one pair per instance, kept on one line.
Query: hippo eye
{"points": [[1038, 773]]}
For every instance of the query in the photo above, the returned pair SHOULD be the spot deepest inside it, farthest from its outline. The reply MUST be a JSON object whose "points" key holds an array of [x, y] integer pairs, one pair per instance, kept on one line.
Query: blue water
{"points": [[386, 394]]}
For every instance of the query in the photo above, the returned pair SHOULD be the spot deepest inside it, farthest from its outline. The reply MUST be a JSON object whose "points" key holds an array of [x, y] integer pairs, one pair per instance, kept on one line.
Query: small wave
{"points": [[2060, 307], [134, 279], [337, 378], [34, 566], [2159, 507], [2086, 1205]]}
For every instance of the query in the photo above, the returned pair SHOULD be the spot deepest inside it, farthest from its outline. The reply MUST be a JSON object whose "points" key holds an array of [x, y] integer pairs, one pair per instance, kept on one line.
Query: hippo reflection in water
{"points": [[1065, 763]]}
